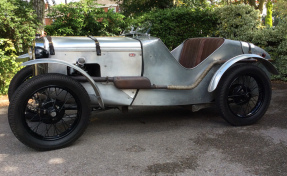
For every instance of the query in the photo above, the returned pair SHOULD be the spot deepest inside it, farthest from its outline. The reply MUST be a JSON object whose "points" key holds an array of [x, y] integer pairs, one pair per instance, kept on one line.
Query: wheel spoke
{"points": [[58, 93], [233, 96], [64, 124], [35, 129], [56, 131], [48, 127], [36, 115], [66, 100]]}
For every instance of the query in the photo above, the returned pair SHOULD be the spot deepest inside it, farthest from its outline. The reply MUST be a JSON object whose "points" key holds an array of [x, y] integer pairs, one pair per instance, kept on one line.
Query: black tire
{"points": [[19, 78], [49, 111], [243, 94]]}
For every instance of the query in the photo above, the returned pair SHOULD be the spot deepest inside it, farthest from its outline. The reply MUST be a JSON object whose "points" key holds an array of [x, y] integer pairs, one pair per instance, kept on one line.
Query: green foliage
{"points": [[136, 7], [192, 3], [17, 23], [279, 11], [281, 51], [17, 30], [274, 41], [268, 19], [237, 21], [8, 64], [280, 8], [281, 61], [80, 19], [175, 25]]}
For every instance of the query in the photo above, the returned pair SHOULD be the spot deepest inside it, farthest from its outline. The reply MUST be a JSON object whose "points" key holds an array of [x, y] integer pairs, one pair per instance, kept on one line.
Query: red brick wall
{"points": [[48, 21]]}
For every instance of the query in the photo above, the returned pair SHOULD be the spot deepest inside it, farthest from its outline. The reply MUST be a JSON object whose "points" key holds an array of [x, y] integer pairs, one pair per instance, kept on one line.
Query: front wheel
{"points": [[20, 77], [243, 94], [49, 111]]}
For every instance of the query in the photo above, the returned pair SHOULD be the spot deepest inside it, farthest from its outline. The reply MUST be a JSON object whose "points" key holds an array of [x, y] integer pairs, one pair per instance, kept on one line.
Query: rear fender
{"points": [[220, 72], [57, 61]]}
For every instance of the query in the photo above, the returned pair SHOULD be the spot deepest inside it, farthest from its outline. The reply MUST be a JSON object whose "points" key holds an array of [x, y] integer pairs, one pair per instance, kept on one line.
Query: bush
{"points": [[281, 51], [17, 29], [17, 23], [237, 21], [137, 7], [8, 64], [80, 19], [274, 41], [175, 25]]}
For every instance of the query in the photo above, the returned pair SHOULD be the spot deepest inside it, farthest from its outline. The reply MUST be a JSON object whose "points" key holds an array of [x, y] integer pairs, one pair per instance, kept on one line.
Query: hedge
{"points": [[174, 25]]}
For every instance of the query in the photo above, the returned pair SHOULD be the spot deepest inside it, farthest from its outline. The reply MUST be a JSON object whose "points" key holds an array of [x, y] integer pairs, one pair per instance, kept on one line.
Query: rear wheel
{"points": [[243, 94], [49, 111], [19, 78]]}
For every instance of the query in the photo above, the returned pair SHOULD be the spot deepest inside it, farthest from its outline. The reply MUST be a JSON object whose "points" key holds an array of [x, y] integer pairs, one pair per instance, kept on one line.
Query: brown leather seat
{"points": [[195, 50]]}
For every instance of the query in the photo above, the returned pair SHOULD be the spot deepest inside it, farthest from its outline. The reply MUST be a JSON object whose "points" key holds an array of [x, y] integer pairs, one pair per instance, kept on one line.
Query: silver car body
{"points": [[145, 56]]}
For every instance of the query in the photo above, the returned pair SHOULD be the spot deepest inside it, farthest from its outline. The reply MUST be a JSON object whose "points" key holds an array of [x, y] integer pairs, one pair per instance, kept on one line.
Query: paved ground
{"points": [[160, 141]]}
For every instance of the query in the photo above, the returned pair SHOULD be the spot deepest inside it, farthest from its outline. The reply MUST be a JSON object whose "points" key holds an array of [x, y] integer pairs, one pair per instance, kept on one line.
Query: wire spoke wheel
{"points": [[49, 111], [243, 94], [52, 113]]}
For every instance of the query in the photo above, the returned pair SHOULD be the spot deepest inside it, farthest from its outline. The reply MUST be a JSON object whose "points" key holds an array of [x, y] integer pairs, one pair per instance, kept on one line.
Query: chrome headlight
{"points": [[41, 52]]}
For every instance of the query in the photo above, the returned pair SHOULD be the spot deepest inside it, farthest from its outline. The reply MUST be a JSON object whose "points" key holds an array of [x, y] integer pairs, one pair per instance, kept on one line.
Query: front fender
{"points": [[220, 72], [57, 61]]}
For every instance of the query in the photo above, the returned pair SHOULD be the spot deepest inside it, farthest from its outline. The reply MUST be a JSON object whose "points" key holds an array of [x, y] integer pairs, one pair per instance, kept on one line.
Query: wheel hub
{"points": [[52, 113], [241, 94]]}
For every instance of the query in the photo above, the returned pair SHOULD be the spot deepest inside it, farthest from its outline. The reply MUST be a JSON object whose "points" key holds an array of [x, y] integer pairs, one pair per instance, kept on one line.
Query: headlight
{"points": [[41, 52]]}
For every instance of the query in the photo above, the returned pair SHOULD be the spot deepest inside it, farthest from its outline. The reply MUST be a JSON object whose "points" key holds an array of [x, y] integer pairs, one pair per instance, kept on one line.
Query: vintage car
{"points": [[65, 78]]}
